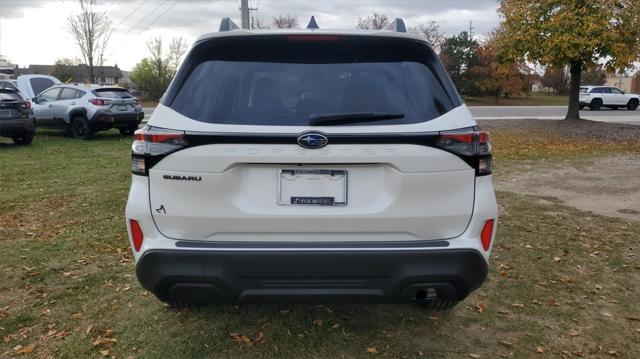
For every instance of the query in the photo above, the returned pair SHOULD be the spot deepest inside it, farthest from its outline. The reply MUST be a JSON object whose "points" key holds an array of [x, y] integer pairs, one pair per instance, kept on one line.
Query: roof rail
{"points": [[226, 24], [312, 23], [397, 25]]}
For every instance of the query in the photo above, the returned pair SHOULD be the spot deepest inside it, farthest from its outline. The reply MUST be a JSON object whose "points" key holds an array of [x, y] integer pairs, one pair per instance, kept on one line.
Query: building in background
{"points": [[625, 82], [107, 75]]}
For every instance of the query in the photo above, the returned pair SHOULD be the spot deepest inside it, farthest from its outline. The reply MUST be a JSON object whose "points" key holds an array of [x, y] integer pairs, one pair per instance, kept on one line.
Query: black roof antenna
{"points": [[312, 23], [397, 25], [226, 24]]}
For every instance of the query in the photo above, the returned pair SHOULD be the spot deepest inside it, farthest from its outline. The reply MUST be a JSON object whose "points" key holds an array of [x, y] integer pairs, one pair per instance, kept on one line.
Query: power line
{"points": [[145, 17], [159, 16], [131, 13]]}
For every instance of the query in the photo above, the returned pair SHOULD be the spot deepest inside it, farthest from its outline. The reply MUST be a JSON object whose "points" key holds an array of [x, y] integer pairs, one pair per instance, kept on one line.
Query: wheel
{"points": [[633, 104], [80, 128], [23, 138], [127, 131], [595, 104]]}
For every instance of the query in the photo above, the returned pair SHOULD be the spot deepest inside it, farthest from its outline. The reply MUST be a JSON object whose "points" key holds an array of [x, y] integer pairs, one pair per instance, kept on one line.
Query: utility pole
{"points": [[471, 29], [245, 14]]}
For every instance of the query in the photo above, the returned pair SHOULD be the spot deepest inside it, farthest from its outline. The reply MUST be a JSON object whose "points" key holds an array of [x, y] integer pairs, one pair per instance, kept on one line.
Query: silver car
{"points": [[81, 110]]}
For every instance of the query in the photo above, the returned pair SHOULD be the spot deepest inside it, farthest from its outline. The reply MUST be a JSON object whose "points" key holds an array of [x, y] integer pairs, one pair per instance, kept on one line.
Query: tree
{"points": [[494, 78], [574, 33], [595, 77], [258, 23], [431, 31], [458, 54], [62, 70], [373, 22], [285, 22], [91, 31], [153, 74], [557, 79]]}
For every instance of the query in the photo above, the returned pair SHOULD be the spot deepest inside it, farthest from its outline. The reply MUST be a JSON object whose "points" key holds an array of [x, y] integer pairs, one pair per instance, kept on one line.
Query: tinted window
{"points": [[615, 91], [9, 96], [68, 94], [7, 85], [285, 80], [39, 84], [112, 93], [49, 95]]}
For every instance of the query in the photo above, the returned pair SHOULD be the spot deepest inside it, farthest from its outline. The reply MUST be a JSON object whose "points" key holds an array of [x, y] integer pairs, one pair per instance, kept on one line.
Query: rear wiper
{"points": [[351, 117]]}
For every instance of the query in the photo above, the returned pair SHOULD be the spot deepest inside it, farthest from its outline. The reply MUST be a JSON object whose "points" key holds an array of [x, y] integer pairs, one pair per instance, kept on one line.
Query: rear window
{"points": [[9, 96], [112, 93], [286, 80], [40, 84], [583, 89]]}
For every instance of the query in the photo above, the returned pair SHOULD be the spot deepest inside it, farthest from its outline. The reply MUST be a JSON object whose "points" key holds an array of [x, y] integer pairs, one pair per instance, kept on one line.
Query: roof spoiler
{"points": [[397, 25], [226, 24]]}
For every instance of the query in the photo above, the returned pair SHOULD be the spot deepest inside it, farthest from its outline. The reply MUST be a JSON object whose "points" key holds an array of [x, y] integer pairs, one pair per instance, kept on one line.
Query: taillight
{"points": [[136, 101], [99, 101], [485, 235], [151, 144], [136, 234], [472, 146], [26, 105]]}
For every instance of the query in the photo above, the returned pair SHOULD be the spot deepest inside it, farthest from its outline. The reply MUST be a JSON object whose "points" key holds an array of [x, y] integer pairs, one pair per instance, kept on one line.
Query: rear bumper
{"points": [[9, 127], [105, 120], [378, 276]]}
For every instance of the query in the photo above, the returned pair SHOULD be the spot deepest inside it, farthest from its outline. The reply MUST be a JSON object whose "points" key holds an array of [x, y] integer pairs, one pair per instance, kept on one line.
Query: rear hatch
{"points": [[300, 142], [12, 105], [117, 99]]}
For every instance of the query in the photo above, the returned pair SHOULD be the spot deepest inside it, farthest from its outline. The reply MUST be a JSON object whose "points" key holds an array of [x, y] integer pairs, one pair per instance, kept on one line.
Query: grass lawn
{"points": [[563, 283], [533, 100]]}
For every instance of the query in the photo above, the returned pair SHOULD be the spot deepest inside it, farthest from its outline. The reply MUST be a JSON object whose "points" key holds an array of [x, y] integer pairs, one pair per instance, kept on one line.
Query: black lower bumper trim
{"points": [[208, 277]]}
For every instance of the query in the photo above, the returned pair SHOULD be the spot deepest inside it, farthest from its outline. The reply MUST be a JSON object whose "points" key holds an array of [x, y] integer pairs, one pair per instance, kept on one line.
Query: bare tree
{"points": [[285, 22], [91, 30], [258, 23], [373, 22], [154, 73], [431, 31]]}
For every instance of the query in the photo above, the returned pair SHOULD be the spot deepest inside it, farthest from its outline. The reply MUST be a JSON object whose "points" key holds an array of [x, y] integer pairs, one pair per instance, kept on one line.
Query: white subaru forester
{"points": [[311, 165]]}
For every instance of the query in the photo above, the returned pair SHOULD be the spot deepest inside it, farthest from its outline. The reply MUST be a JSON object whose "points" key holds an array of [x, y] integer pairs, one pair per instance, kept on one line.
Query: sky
{"points": [[34, 31]]}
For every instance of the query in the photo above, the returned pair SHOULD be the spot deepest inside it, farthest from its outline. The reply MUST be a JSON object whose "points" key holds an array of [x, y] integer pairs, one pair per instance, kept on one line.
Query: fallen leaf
{"points": [[574, 333], [335, 326], [557, 259], [539, 349], [633, 318], [475, 356], [480, 307], [104, 353], [24, 350], [517, 305], [506, 343], [317, 322], [372, 350]]}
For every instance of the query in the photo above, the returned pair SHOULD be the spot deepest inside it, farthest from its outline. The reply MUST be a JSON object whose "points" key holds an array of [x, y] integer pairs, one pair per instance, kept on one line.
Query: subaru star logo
{"points": [[312, 140]]}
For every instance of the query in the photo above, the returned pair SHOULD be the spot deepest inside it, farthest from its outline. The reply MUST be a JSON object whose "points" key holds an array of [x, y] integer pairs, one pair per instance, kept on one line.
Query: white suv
{"points": [[596, 97], [311, 165]]}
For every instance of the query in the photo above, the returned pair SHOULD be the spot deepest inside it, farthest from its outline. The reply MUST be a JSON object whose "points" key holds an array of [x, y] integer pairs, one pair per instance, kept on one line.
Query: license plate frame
{"points": [[123, 107], [336, 200]]}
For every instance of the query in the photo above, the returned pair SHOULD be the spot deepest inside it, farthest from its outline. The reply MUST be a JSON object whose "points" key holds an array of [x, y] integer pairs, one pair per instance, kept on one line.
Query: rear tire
{"points": [[23, 138], [80, 128], [595, 104], [633, 104], [127, 131]]}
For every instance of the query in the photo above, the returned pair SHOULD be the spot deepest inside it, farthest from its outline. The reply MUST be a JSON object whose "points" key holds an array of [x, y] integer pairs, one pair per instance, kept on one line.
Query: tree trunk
{"points": [[574, 91]]}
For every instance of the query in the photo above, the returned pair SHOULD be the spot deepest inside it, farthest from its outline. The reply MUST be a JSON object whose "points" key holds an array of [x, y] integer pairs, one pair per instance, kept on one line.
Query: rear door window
{"points": [[68, 94], [286, 80]]}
